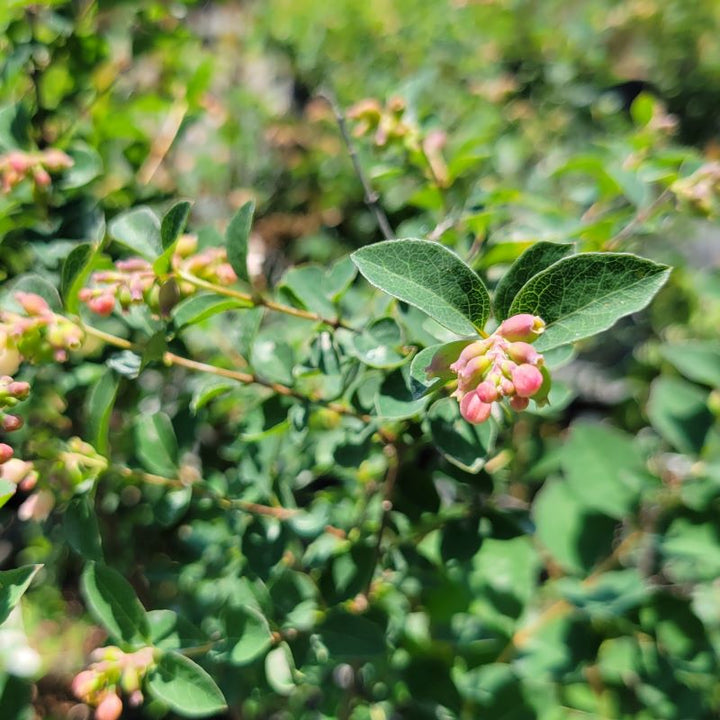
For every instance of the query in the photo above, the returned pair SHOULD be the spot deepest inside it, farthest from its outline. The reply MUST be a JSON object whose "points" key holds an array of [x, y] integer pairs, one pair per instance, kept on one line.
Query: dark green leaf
{"points": [[351, 637], [430, 277], [155, 444], [184, 686], [236, 237], [154, 349], [13, 584], [75, 271], [173, 223], [430, 368], [170, 631], [114, 604], [395, 398], [81, 528], [585, 294], [99, 408], [534, 260]]}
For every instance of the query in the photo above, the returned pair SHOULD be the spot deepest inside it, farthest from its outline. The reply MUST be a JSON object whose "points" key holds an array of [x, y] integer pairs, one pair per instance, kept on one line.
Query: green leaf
{"points": [[114, 604], [273, 360], [13, 584], [534, 260], [248, 633], [351, 637], [7, 490], [678, 411], [465, 445], [236, 238], [99, 408], [379, 344], [430, 277], [208, 389], [395, 398], [279, 667], [155, 444], [438, 358], [197, 308], [81, 528], [172, 505], [603, 468], [585, 294], [184, 686], [173, 223], [154, 349], [139, 230], [75, 271], [696, 360], [87, 165], [170, 631], [306, 286]]}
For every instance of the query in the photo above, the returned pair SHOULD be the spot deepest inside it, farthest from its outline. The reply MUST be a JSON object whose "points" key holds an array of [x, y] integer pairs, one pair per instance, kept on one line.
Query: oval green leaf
{"points": [[430, 277]]}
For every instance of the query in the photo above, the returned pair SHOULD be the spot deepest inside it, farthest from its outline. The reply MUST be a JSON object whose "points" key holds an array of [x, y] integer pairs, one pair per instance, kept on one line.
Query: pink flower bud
{"points": [[55, 159], [474, 370], [102, 305], [522, 352], [84, 684], [110, 708], [41, 176], [473, 409], [32, 304], [471, 351], [527, 380], [19, 389], [6, 452], [18, 161], [519, 403], [487, 391], [522, 327], [15, 470], [10, 423]]}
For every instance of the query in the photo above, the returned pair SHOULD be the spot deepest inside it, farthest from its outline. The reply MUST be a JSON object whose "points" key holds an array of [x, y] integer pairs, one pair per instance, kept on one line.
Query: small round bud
{"points": [[519, 403], [41, 177], [110, 707], [102, 305], [6, 452], [522, 352], [84, 684], [487, 391], [473, 409], [522, 328], [10, 423], [18, 161], [527, 380], [19, 389]]}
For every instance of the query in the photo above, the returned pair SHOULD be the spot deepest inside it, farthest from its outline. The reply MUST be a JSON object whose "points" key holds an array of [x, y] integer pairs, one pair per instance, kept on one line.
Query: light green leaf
{"points": [[139, 230], [184, 686], [430, 277], [535, 259], [99, 408], [379, 344], [248, 634], [75, 271], [440, 357], [87, 165], [696, 360], [279, 668], [585, 294], [113, 602], [208, 389], [156, 445], [306, 287], [7, 490], [13, 584], [236, 238], [678, 411], [32, 283], [197, 308], [170, 631]]}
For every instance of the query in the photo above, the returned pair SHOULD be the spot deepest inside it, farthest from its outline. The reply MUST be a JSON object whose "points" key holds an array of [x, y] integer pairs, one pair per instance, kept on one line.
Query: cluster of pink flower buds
{"points": [[11, 393], [503, 365], [134, 281], [17, 165], [40, 334], [113, 672], [20, 473]]}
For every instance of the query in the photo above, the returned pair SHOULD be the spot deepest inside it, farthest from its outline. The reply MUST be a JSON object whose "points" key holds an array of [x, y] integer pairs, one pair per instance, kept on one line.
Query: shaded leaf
{"points": [[156, 445], [236, 238], [13, 584], [75, 271], [99, 408]]}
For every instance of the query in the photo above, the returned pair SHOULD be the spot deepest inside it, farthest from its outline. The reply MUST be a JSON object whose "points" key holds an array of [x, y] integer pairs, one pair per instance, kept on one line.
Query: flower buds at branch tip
{"points": [[503, 365]]}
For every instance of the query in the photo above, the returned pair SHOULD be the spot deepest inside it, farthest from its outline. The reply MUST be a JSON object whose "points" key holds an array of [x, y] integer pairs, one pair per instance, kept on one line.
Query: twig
{"points": [[640, 217], [372, 199], [163, 141]]}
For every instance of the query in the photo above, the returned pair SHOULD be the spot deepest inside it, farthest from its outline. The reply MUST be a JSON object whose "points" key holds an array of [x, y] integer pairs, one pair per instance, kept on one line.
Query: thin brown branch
{"points": [[641, 216], [372, 199]]}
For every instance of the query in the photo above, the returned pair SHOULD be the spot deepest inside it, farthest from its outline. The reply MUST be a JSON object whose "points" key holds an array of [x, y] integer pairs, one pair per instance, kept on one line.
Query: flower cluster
{"points": [[11, 393], [39, 335], [503, 365], [111, 673], [17, 165], [134, 281]]}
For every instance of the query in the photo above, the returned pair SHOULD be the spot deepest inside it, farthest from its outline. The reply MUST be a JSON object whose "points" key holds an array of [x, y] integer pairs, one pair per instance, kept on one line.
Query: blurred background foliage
{"points": [[568, 567]]}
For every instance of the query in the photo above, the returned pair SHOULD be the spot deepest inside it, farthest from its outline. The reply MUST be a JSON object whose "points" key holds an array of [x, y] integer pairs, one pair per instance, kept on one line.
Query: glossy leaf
{"points": [[430, 277], [535, 259], [236, 238], [585, 294], [184, 686], [114, 604]]}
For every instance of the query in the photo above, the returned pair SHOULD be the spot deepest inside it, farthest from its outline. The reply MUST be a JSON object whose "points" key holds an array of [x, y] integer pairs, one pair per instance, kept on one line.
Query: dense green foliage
{"points": [[240, 448]]}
